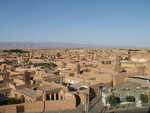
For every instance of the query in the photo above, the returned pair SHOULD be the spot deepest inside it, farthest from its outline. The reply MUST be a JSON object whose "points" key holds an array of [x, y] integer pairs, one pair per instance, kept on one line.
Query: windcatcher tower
{"points": [[26, 78], [118, 64]]}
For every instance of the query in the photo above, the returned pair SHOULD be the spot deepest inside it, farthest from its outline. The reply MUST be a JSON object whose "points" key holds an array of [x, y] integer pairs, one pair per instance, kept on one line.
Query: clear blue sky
{"points": [[100, 22]]}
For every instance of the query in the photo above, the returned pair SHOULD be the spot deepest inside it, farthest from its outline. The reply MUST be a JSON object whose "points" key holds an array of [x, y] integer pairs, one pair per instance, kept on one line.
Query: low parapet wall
{"points": [[40, 106], [121, 78], [8, 109]]}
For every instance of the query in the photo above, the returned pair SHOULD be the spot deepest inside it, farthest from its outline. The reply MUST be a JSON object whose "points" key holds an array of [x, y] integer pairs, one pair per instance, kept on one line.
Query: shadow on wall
{"points": [[78, 100], [92, 94]]}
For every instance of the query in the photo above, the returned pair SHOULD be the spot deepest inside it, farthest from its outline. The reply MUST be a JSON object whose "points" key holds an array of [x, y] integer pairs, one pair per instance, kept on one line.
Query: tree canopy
{"points": [[112, 99], [16, 51], [144, 98], [130, 99]]}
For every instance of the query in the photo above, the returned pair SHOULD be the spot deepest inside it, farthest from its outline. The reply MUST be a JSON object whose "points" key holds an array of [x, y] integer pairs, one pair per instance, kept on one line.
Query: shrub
{"points": [[12, 101], [82, 88], [144, 98], [16, 51], [53, 65], [126, 58], [113, 100], [65, 84], [130, 99], [30, 63]]}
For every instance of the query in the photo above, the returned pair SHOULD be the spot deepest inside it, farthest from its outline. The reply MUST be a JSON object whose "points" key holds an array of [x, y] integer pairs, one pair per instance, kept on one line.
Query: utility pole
{"points": [[112, 82], [44, 94], [86, 107], [59, 110]]}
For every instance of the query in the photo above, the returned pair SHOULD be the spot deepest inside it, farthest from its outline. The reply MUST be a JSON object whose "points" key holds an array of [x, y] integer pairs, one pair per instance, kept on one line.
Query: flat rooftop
{"points": [[129, 86], [48, 88], [126, 86], [141, 77], [28, 92], [78, 85], [4, 88]]}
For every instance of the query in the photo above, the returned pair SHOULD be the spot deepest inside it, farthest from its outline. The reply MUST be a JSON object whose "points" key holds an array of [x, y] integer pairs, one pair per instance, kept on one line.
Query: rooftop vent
{"points": [[109, 90], [127, 89], [138, 87]]}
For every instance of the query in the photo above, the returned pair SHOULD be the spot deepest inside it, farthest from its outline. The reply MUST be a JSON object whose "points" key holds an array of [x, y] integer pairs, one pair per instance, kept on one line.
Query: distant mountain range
{"points": [[32, 45], [35, 45]]}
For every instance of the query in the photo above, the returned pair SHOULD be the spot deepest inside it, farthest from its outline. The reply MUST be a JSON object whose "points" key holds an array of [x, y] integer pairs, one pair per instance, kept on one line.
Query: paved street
{"points": [[96, 105]]}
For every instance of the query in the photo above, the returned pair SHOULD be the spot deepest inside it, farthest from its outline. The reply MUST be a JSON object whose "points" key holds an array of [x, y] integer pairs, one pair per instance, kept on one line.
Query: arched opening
{"points": [[47, 97], [52, 96], [16, 96], [31, 78], [22, 98], [92, 94], [57, 98], [35, 89], [78, 100]]}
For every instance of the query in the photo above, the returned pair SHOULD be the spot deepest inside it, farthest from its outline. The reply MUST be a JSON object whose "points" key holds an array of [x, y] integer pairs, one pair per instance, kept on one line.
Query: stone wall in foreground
{"points": [[39, 106]]}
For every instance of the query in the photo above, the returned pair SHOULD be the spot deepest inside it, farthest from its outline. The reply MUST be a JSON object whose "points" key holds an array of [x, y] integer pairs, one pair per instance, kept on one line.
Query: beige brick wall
{"points": [[39, 106]]}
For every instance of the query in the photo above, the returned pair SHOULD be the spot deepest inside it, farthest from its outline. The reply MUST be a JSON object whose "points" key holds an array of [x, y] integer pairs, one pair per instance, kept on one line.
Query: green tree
{"points": [[144, 98], [113, 100], [16, 51], [126, 58], [12, 101], [130, 98], [63, 83], [53, 65], [30, 63]]}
